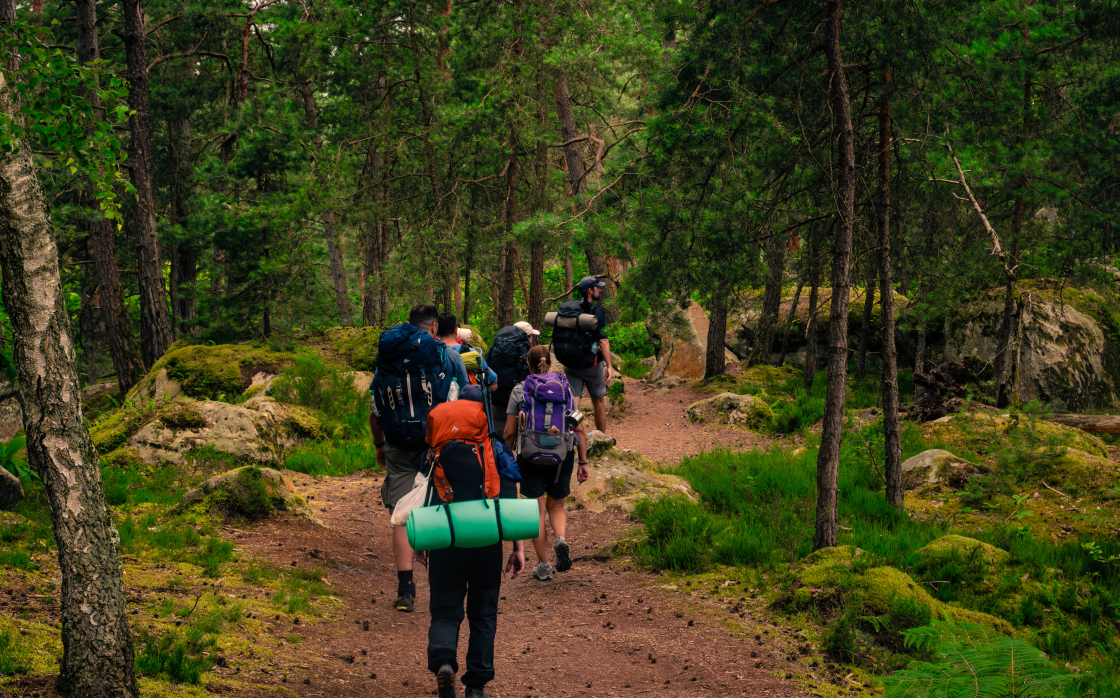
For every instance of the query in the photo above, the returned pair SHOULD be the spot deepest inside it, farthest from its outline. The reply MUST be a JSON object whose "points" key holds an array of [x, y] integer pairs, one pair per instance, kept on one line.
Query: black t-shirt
{"points": [[600, 314]]}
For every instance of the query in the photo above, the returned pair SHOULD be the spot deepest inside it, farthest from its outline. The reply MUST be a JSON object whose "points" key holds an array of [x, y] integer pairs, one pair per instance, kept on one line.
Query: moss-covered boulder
{"points": [[879, 587], [962, 547], [355, 346], [621, 478], [936, 466], [1070, 354], [249, 492], [729, 408], [208, 372]]}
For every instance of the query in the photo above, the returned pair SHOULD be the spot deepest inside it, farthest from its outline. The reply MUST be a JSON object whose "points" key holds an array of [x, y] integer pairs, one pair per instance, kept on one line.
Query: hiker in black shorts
{"points": [[549, 484], [595, 371]]}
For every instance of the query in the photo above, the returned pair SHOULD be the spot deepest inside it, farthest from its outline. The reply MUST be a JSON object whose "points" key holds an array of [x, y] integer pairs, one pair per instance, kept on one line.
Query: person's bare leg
{"points": [[557, 516], [600, 404], [402, 551], [540, 545]]}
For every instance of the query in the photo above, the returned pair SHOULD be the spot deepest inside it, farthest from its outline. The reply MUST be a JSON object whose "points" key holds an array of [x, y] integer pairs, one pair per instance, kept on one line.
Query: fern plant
{"points": [[973, 661]]}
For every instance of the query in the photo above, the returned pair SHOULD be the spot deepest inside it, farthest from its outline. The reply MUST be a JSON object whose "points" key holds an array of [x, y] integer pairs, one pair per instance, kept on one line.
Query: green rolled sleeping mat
{"points": [[472, 524]]}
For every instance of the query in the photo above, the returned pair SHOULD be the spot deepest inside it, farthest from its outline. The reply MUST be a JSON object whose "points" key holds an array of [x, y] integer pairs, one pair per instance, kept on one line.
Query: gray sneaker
{"points": [[543, 571]]}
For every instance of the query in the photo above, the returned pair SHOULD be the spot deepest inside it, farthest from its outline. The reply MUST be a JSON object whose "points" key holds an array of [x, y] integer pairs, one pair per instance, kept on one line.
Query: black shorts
{"points": [[537, 480]]}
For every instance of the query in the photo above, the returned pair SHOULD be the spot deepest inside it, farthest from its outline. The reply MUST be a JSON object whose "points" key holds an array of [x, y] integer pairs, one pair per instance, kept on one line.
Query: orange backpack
{"points": [[463, 421]]}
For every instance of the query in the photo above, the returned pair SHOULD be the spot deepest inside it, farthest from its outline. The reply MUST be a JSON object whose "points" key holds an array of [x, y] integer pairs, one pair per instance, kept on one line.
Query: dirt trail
{"points": [[601, 629]]}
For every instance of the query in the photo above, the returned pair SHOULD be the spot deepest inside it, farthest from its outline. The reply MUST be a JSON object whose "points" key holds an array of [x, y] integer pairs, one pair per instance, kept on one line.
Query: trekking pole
{"points": [[484, 379]]}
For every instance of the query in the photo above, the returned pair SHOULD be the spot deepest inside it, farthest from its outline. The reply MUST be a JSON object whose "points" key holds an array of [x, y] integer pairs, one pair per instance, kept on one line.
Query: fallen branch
{"points": [[997, 250], [1092, 423], [1054, 490]]}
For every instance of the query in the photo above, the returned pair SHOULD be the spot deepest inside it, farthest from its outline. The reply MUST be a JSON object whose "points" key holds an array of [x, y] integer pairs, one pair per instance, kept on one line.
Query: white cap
{"points": [[527, 327], [465, 334]]}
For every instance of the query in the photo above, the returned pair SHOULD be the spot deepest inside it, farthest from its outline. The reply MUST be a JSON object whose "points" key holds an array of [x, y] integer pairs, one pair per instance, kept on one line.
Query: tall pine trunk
{"points": [[338, 270], [155, 321], [184, 270], [865, 327], [810, 372], [771, 296], [892, 436], [97, 650], [102, 245], [828, 459], [715, 361], [509, 251]]}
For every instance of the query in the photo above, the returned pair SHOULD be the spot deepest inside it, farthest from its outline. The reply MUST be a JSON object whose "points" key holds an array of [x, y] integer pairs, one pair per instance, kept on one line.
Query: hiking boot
{"points": [[445, 682], [476, 692], [543, 571], [563, 556], [406, 598]]}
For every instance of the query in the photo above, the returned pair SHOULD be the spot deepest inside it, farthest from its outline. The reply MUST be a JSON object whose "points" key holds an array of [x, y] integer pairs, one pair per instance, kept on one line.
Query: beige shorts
{"points": [[401, 466]]}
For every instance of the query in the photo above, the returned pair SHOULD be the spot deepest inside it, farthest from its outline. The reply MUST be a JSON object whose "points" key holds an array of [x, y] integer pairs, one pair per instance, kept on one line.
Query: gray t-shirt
{"points": [[516, 399]]}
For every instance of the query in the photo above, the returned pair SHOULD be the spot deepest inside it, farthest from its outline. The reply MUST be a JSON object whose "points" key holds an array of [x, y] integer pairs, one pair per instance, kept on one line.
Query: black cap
{"points": [[590, 281]]}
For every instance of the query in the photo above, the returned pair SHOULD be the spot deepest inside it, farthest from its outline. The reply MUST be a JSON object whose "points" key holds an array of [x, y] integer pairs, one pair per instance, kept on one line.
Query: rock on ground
{"points": [[276, 485], [1067, 360], [620, 478], [684, 356], [730, 408], [11, 491], [936, 466], [254, 431]]}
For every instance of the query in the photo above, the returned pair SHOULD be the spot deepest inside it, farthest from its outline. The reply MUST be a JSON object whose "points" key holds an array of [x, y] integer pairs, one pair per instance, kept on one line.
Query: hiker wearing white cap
{"points": [[528, 329]]}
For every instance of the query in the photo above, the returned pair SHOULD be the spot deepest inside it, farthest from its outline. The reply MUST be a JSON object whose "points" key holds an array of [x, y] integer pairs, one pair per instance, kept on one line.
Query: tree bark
{"points": [[466, 319], [102, 244], [536, 284], [155, 321], [509, 252], [790, 318], [865, 327], [810, 372], [828, 458], [771, 296], [338, 271], [1003, 349], [217, 267], [97, 650], [1092, 423], [715, 361], [892, 435]]}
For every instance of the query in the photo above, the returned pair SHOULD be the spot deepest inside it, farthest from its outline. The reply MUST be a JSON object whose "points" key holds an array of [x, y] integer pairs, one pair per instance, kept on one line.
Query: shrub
{"points": [[180, 660], [248, 496], [310, 382]]}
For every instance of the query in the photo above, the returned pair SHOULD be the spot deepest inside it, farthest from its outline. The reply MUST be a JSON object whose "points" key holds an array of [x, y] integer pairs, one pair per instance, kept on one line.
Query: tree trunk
{"points": [[771, 296], [185, 264], [920, 349], [102, 244], [466, 319], [567, 274], [790, 318], [509, 252], [892, 435], [536, 284], [865, 327], [338, 271], [1092, 423], [217, 264], [810, 372], [828, 458], [1003, 349], [97, 650], [155, 321], [715, 361]]}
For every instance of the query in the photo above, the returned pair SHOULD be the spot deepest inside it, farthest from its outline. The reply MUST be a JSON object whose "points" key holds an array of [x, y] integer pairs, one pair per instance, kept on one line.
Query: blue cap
{"points": [[590, 282], [472, 393]]}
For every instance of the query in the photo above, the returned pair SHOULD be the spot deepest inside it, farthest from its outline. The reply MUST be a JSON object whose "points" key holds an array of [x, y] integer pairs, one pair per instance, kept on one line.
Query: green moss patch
{"points": [[212, 372], [356, 346]]}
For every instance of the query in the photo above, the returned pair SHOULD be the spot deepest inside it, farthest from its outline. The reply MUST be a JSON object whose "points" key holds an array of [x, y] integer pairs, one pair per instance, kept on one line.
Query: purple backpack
{"points": [[545, 438]]}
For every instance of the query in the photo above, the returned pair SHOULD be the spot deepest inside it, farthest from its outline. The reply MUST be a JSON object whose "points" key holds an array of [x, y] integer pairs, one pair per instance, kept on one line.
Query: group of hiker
{"points": [[435, 415]]}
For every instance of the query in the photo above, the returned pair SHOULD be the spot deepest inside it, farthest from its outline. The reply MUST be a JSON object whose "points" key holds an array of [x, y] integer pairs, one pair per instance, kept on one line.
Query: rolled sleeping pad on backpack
{"points": [[583, 322], [472, 524]]}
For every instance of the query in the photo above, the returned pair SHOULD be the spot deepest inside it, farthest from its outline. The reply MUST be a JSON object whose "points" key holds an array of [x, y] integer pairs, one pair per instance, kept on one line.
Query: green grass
{"points": [[756, 511], [334, 458], [311, 382], [13, 656], [180, 660]]}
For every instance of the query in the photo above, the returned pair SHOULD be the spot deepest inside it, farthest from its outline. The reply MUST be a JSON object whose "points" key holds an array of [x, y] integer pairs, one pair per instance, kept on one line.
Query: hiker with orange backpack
{"points": [[464, 462], [543, 426]]}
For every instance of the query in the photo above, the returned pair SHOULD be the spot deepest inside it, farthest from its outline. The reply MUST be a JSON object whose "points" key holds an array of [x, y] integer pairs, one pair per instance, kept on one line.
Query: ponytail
{"points": [[540, 359]]}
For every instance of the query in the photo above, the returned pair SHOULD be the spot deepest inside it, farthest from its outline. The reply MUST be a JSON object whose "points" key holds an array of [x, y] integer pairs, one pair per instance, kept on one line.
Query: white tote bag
{"points": [[410, 501]]}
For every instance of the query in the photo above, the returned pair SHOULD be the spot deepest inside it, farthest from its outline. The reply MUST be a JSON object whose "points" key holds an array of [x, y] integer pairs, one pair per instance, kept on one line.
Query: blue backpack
{"points": [[409, 372]]}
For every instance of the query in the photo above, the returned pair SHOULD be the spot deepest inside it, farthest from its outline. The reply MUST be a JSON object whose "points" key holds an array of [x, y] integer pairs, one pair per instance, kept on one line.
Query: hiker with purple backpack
{"points": [[543, 426]]}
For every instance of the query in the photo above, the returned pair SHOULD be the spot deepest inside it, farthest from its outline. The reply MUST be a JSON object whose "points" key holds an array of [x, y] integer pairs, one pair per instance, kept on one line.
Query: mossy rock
{"points": [[182, 414], [304, 420], [113, 430], [878, 587], [729, 408], [758, 377], [963, 547], [356, 346], [983, 433], [124, 458], [249, 492], [1078, 473], [209, 372]]}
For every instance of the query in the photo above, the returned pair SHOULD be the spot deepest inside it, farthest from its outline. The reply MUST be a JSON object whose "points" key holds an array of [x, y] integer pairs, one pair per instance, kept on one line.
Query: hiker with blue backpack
{"points": [[415, 372], [543, 426], [477, 370]]}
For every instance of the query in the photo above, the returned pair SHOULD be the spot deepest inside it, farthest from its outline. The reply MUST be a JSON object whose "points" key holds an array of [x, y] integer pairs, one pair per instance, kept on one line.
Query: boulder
{"points": [[1068, 357], [254, 431], [936, 466], [234, 492], [621, 478], [11, 491], [954, 546], [599, 443], [208, 372], [11, 412], [730, 408], [684, 344]]}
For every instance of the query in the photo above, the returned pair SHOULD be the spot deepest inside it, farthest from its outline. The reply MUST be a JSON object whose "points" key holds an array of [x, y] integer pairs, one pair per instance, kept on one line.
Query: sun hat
{"points": [[527, 327]]}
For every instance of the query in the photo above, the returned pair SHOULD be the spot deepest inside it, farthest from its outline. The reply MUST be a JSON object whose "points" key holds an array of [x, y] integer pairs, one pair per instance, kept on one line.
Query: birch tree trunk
{"points": [[155, 320], [828, 459], [102, 244], [97, 657]]}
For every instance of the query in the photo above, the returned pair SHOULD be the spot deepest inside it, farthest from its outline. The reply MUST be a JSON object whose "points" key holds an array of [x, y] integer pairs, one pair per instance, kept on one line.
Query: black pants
{"points": [[476, 575]]}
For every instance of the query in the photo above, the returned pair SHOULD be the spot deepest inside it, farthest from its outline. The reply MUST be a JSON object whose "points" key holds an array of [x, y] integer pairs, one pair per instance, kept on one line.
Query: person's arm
{"points": [[516, 562], [582, 473], [378, 438], [510, 433], [605, 352]]}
